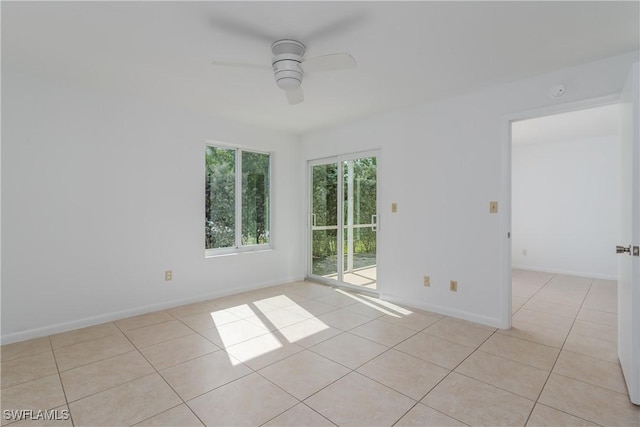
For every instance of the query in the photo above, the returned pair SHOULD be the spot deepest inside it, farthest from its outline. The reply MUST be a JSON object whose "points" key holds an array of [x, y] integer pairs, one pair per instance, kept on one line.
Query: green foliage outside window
{"points": [[255, 198], [324, 201], [221, 167]]}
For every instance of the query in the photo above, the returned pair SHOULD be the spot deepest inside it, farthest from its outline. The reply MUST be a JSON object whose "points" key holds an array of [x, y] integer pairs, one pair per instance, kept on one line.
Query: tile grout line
{"points": [[41, 377], [299, 403], [84, 341], [535, 402], [477, 349], [147, 326], [296, 398], [255, 371], [198, 333], [350, 369], [91, 363], [498, 387], [394, 348], [99, 360], [309, 349], [64, 392], [590, 384], [26, 355], [224, 350], [160, 375], [561, 348], [138, 350], [567, 413], [341, 364], [532, 295], [419, 401]]}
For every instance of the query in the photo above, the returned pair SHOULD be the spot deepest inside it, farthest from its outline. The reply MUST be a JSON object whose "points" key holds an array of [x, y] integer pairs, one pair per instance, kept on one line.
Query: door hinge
{"points": [[508, 235]]}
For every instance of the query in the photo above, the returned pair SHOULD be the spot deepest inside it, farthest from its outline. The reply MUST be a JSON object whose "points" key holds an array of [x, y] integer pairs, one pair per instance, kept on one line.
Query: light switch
{"points": [[493, 207], [394, 207]]}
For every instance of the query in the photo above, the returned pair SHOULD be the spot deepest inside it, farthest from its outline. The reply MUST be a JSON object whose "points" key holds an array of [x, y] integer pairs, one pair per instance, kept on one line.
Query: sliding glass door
{"points": [[360, 221], [324, 220], [344, 191]]}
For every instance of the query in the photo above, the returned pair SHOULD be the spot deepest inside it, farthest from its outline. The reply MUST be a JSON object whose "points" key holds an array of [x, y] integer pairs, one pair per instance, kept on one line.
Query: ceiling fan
{"points": [[289, 66]]}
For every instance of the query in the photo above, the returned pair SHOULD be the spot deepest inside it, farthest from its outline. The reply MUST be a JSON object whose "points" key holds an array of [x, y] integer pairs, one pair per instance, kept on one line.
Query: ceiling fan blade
{"points": [[240, 28], [241, 64], [334, 61], [295, 96], [334, 28]]}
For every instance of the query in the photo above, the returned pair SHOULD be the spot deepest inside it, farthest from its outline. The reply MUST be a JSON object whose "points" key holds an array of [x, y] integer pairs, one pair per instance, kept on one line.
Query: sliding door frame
{"points": [[339, 160]]}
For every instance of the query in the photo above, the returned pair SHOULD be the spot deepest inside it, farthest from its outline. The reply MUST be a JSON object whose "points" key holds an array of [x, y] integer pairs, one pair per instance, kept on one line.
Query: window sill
{"points": [[215, 253]]}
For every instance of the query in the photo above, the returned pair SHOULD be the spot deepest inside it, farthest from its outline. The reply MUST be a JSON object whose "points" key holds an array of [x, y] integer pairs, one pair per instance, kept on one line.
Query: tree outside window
{"points": [[237, 198]]}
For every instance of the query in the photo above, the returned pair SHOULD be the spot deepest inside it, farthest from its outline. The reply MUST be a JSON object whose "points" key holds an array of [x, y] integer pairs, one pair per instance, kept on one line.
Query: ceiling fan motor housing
{"points": [[286, 63]]}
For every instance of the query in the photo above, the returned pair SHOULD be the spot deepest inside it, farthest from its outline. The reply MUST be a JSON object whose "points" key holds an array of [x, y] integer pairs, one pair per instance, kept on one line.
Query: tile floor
{"points": [[304, 354]]}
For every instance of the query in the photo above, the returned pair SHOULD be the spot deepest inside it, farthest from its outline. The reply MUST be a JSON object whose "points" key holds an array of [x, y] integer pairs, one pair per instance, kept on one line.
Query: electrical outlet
{"points": [[168, 275], [493, 207], [453, 286], [394, 207], [427, 281]]}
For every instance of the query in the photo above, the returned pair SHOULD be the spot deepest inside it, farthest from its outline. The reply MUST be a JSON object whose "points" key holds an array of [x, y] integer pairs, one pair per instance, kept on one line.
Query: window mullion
{"points": [[238, 198]]}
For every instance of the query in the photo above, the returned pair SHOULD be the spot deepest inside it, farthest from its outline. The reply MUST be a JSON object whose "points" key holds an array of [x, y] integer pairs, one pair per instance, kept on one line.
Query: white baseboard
{"points": [[464, 315], [565, 272], [123, 314]]}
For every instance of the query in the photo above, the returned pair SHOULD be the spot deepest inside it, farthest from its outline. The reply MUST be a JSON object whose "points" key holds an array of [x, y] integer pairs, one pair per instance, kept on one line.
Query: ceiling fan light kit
{"points": [[289, 65], [286, 63]]}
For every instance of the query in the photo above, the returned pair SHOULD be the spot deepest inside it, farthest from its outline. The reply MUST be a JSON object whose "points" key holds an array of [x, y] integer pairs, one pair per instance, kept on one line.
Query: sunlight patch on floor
{"points": [[378, 304], [270, 314]]}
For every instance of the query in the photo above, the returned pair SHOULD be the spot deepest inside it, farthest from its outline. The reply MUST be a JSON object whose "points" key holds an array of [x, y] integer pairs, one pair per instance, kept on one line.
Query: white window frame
{"points": [[239, 247]]}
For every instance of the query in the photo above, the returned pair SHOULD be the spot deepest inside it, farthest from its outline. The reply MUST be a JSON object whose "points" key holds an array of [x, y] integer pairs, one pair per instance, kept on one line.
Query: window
{"points": [[237, 200]]}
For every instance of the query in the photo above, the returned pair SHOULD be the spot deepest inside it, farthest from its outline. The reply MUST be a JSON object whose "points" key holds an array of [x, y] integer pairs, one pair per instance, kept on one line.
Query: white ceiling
{"points": [[407, 52], [574, 125]]}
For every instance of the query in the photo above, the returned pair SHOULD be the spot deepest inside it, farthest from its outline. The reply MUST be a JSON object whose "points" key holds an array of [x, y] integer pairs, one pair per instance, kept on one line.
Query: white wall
{"points": [[565, 206], [442, 163], [102, 193]]}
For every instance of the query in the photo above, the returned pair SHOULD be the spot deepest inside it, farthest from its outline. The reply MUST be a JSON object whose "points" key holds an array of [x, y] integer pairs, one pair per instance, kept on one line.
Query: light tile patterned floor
{"points": [[303, 354]]}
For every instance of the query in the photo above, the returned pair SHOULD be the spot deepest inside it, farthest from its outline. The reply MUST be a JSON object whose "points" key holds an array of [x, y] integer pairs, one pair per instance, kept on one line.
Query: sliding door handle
{"points": [[622, 249]]}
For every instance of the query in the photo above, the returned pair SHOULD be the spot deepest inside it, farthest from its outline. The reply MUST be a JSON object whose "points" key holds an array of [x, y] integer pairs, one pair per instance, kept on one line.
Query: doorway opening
{"points": [[565, 201], [622, 338]]}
